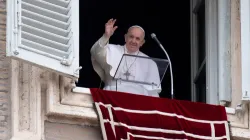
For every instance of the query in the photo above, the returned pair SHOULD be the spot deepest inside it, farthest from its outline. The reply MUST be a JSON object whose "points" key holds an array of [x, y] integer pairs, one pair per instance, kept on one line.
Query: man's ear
{"points": [[125, 37], [143, 41]]}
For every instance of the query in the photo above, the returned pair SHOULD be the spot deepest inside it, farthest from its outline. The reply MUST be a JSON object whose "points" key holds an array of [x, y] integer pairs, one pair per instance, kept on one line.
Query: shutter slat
{"points": [[29, 49], [45, 27], [63, 3], [43, 48], [45, 12], [48, 6], [44, 41], [45, 34], [44, 19]]}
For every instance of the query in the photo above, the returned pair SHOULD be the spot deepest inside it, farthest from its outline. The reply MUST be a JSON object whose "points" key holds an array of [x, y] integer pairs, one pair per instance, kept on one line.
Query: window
{"points": [[204, 51], [45, 33], [174, 37], [200, 77], [199, 53]]}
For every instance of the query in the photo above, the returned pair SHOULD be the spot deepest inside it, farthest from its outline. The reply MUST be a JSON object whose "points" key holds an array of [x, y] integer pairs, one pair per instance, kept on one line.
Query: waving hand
{"points": [[110, 28]]}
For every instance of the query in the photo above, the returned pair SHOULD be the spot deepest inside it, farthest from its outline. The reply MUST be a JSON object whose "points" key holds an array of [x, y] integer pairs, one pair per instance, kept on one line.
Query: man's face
{"points": [[134, 39]]}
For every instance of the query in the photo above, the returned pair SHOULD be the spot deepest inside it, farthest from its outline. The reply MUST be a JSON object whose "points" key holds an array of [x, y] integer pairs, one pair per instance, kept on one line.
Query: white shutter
{"points": [[245, 48], [46, 33]]}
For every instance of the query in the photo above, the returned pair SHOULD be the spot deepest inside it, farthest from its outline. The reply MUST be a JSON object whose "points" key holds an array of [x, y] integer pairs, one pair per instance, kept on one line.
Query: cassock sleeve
{"points": [[153, 76], [98, 56]]}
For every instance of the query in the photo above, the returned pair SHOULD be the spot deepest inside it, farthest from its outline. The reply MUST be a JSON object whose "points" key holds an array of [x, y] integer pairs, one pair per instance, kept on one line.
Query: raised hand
{"points": [[110, 28]]}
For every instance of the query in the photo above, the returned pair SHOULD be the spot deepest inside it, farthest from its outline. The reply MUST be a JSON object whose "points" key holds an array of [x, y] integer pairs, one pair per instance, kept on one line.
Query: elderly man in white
{"points": [[106, 58]]}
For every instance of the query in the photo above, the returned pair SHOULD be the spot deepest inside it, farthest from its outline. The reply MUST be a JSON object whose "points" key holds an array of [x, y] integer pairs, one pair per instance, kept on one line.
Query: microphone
{"points": [[170, 64], [155, 38]]}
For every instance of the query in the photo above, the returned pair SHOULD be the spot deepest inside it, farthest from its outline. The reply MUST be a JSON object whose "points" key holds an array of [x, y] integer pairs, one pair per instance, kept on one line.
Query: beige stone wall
{"points": [[4, 78], [59, 131], [239, 120], [37, 97]]}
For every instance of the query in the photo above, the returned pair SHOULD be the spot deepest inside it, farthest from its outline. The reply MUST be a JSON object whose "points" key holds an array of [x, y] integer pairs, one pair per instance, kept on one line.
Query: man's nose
{"points": [[134, 40]]}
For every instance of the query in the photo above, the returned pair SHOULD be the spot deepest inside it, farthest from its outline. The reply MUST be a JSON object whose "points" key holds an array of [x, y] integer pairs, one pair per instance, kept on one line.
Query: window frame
{"points": [[245, 49], [211, 50]]}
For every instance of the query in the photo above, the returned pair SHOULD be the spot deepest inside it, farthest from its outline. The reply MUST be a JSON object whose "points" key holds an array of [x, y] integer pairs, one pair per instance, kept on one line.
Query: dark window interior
{"points": [[169, 20]]}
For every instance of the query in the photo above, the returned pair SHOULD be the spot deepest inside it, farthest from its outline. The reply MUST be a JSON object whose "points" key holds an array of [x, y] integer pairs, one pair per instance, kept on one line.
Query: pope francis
{"points": [[106, 58]]}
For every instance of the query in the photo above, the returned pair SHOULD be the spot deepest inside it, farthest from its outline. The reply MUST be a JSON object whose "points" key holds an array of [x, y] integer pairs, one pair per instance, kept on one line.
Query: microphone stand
{"points": [[170, 64]]}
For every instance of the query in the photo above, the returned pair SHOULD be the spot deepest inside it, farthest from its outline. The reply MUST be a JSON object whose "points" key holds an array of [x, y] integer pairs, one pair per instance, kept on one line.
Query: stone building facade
{"points": [[37, 103]]}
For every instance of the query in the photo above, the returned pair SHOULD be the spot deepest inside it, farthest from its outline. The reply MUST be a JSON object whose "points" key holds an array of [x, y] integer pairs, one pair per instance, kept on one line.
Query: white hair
{"points": [[137, 26]]}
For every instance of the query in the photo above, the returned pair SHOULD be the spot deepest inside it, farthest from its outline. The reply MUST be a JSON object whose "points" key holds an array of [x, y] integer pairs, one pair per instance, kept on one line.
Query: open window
{"points": [[204, 51], [200, 50], [45, 33]]}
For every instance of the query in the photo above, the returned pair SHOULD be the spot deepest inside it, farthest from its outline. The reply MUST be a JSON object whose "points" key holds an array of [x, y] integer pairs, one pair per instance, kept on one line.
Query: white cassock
{"points": [[106, 59]]}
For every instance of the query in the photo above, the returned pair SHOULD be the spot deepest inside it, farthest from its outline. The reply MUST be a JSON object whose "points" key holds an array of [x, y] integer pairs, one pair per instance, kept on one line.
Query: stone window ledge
{"points": [[38, 95], [70, 101]]}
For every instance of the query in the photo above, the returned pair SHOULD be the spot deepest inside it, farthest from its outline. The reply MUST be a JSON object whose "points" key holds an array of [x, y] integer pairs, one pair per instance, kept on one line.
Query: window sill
{"points": [[65, 102], [79, 96], [230, 110]]}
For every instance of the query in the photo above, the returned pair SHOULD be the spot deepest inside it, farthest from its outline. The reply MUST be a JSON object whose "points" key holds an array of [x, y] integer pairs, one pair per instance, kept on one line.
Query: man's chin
{"points": [[133, 49]]}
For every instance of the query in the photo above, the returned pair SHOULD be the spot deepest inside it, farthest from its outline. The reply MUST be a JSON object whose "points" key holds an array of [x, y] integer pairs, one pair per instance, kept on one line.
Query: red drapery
{"points": [[125, 116]]}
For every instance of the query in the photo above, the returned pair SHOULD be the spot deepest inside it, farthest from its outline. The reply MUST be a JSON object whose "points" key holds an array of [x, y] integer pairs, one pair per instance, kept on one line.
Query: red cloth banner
{"points": [[125, 116]]}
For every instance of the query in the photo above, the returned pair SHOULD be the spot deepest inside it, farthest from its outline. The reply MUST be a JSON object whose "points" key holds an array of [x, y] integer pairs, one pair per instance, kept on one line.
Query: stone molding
{"points": [[38, 95]]}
